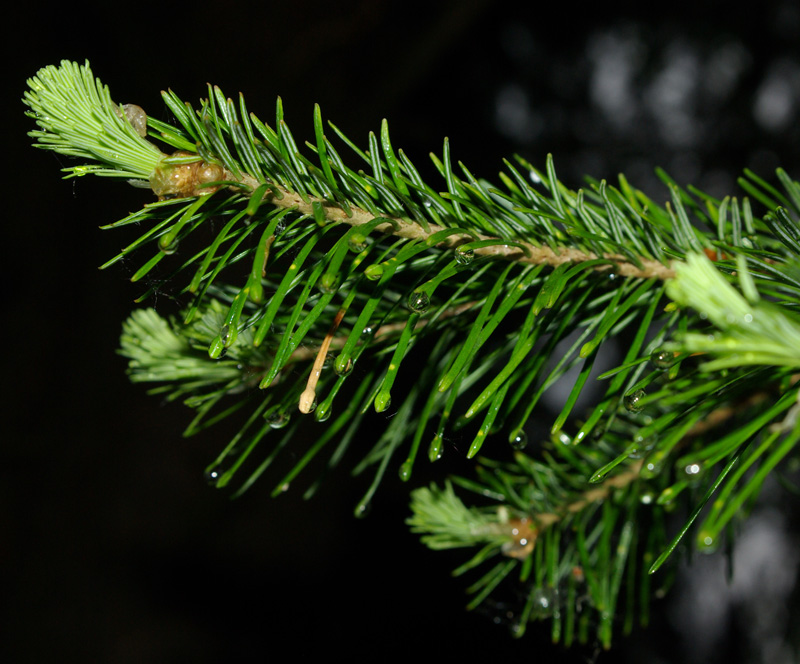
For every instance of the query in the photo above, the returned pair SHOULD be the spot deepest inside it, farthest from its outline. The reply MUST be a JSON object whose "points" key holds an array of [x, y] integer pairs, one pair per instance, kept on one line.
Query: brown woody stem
{"points": [[521, 252]]}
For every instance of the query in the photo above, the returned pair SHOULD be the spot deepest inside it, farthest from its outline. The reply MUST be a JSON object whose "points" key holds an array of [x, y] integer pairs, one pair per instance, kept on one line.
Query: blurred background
{"points": [[114, 549]]}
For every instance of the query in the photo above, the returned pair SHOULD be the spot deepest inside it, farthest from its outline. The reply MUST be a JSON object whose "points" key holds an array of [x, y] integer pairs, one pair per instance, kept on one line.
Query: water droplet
{"points": [[662, 359], [285, 487], [382, 401], [213, 474], [329, 358], [748, 318], [328, 283], [405, 470], [322, 414], [216, 349], [647, 498], [374, 272], [705, 540], [419, 301], [632, 401], [362, 510], [435, 450], [543, 602], [277, 419], [367, 331], [667, 495], [597, 477], [519, 440], [634, 453], [693, 469], [168, 247], [224, 334], [343, 366], [653, 464], [357, 242], [464, 255], [611, 276]]}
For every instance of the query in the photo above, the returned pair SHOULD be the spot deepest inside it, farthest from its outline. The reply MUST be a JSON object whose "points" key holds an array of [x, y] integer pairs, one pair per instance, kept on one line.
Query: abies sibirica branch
{"points": [[326, 282]]}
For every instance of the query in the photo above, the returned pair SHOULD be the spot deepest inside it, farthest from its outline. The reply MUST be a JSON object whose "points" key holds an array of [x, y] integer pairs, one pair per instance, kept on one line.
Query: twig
{"points": [[397, 226]]}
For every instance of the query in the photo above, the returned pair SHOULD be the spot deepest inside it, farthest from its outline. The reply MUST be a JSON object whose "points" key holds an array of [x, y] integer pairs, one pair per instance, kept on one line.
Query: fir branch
{"points": [[98, 136], [77, 118], [349, 278]]}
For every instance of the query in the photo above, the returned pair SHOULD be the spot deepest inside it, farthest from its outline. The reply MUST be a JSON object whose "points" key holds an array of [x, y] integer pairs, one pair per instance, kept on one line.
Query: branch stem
{"points": [[521, 252]]}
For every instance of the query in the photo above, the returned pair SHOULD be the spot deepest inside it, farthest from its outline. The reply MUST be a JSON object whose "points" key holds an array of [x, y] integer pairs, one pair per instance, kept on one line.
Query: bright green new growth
{"points": [[751, 331], [77, 118], [316, 287]]}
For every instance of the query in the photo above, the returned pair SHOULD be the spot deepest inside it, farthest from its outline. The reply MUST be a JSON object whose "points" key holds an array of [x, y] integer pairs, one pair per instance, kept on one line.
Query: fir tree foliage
{"points": [[330, 280]]}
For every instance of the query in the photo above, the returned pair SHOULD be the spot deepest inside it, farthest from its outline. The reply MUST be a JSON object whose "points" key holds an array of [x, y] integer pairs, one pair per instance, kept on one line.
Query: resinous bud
{"points": [[419, 301], [169, 180]]}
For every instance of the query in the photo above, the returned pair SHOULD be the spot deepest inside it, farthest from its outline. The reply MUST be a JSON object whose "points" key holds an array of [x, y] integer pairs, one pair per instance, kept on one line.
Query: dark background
{"points": [[113, 549]]}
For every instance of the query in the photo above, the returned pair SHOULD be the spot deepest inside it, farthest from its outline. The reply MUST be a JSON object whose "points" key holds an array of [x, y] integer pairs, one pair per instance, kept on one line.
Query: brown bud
{"points": [[523, 539], [182, 180]]}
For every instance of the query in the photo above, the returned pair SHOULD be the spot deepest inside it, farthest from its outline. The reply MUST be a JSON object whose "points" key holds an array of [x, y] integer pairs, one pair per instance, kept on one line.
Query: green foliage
{"points": [[313, 286], [77, 118]]}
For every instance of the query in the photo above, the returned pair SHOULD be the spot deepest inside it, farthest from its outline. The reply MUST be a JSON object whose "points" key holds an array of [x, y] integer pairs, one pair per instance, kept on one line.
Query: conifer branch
{"points": [[369, 289]]}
